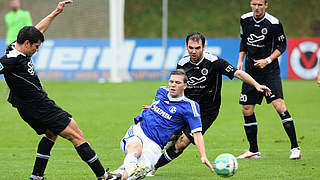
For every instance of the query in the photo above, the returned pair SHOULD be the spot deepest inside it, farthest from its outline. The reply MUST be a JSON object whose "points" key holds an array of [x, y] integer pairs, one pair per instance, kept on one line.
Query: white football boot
{"points": [[139, 173], [295, 153], [248, 154]]}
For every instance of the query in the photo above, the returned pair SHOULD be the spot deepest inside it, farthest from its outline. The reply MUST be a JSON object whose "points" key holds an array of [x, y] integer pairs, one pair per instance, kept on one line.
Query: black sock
{"points": [[166, 157], [251, 129], [88, 155], [288, 125], [43, 155]]}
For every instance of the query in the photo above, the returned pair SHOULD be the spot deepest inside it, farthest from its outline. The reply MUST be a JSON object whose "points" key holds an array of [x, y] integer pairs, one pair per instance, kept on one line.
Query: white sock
{"points": [[130, 162]]}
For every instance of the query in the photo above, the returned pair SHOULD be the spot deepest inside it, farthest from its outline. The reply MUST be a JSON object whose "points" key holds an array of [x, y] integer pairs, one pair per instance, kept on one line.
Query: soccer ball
{"points": [[225, 165]]}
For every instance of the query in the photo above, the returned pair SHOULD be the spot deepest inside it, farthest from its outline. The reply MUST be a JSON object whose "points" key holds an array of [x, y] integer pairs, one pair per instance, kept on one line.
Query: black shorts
{"points": [[45, 115], [207, 118], [250, 96]]}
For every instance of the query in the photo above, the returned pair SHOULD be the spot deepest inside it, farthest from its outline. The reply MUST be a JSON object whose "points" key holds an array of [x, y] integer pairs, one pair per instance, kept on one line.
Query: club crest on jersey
{"points": [[204, 71], [264, 31], [172, 109]]}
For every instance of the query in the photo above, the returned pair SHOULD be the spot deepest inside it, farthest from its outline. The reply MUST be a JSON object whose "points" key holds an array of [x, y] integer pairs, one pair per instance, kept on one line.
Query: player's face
{"points": [[32, 48], [14, 4], [258, 8], [176, 86], [195, 50]]}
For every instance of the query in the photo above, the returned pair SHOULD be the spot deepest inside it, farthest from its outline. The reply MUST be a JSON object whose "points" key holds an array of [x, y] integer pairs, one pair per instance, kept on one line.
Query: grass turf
{"points": [[105, 111]]}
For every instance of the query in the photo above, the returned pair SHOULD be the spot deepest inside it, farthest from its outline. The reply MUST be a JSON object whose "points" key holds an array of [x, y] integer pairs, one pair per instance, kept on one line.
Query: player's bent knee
{"points": [[73, 136], [182, 143], [50, 135], [279, 105], [247, 110]]}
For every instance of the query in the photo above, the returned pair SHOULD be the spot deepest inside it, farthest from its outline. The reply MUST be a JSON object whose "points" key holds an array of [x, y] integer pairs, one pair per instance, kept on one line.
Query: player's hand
{"points": [[205, 161], [263, 88], [146, 107], [61, 5], [260, 63], [240, 65], [318, 79]]}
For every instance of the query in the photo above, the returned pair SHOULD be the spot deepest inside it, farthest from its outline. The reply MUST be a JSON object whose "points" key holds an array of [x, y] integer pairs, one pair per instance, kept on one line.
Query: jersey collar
{"points": [[199, 61], [261, 19], [14, 52], [175, 99]]}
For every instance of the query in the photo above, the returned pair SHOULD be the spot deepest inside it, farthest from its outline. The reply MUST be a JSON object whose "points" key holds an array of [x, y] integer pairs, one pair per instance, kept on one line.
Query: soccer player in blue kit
{"points": [[169, 112]]}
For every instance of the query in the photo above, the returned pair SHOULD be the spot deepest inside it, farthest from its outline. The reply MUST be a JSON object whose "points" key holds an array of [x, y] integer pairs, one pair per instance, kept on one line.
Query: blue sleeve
{"points": [[192, 116]]}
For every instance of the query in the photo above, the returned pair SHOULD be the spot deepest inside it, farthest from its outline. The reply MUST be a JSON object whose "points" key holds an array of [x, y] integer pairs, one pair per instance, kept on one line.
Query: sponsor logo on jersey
{"points": [[204, 71], [161, 112], [254, 38], [1, 66], [30, 68], [264, 31], [194, 81], [172, 109]]}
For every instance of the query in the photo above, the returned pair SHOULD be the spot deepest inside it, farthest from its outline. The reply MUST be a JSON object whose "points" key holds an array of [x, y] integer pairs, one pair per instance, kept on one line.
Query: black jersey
{"points": [[21, 78], [259, 39], [205, 79]]}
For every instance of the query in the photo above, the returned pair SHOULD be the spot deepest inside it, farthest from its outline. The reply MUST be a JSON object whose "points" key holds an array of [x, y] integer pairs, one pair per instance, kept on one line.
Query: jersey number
{"points": [[243, 98]]}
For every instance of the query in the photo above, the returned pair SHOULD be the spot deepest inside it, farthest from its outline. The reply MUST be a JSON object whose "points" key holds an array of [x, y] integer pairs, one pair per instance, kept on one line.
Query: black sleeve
{"points": [[7, 64], [280, 38], [225, 68], [243, 46]]}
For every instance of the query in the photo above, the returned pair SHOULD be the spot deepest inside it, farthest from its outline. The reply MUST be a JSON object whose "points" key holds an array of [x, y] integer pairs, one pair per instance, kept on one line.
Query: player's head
{"points": [[30, 38], [14, 4], [177, 83], [258, 7], [195, 43]]}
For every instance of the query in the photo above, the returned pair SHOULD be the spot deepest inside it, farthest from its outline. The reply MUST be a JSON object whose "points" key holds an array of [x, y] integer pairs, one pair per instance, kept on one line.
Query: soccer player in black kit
{"points": [[204, 72], [33, 104], [263, 41]]}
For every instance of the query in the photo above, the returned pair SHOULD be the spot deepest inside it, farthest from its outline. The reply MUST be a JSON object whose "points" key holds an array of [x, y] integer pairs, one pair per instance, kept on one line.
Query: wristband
{"points": [[269, 60]]}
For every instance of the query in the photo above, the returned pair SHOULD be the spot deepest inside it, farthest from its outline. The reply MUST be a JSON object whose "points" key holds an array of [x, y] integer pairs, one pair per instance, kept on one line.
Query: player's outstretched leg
{"points": [[87, 154]]}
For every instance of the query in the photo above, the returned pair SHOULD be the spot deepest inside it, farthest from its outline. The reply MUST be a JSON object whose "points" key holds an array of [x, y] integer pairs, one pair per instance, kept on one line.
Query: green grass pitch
{"points": [[105, 111]]}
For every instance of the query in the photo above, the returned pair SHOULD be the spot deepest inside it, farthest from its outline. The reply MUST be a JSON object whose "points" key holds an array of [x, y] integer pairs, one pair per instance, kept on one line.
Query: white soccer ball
{"points": [[225, 165]]}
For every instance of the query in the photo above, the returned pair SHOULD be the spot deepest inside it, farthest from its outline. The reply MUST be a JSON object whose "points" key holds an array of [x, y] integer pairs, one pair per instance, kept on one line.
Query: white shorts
{"points": [[151, 151]]}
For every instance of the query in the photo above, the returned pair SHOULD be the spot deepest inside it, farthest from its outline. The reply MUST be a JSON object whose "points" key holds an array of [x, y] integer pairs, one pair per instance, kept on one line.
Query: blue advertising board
{"points": [[89, 59]]}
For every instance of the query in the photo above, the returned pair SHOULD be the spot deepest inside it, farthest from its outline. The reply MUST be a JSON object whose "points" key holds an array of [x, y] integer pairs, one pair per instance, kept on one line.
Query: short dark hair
{"points": [[29, 33], [196, 36], [265, 1], [180, 72]]}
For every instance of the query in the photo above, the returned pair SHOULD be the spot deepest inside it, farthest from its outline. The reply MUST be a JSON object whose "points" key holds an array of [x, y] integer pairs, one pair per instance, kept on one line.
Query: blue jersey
{"points": [[167, 115]]}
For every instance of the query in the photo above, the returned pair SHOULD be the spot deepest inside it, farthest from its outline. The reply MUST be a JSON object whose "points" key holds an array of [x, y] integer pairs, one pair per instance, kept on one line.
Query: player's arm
{"points": [[245, 77], [243, 46], [198, 140], [240, 60], [44, 23]]}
